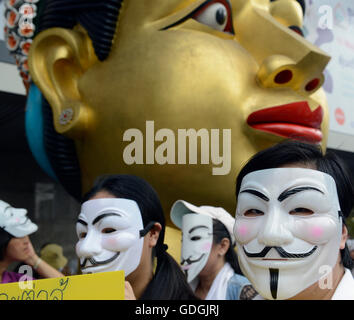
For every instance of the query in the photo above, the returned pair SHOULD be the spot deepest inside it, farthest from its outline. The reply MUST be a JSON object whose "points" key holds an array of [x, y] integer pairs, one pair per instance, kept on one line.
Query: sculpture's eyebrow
{"points": [[287, 193], [256, 193], [197, 227]]}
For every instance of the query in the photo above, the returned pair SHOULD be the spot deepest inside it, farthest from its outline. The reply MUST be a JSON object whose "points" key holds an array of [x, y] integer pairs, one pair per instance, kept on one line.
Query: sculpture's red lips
{"points": [[294, 120]]}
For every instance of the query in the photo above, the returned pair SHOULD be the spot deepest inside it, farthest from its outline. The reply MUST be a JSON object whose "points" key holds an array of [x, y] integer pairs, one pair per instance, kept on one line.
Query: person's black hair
{"points": [[293, 152], [219, 233], [168, 282], [5, 238]]}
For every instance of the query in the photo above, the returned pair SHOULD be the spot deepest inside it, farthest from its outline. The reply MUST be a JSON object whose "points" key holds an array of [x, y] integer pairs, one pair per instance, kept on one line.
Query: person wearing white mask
{"points": [[292, 201], [208, 257], [121, 226], [16, 246]]}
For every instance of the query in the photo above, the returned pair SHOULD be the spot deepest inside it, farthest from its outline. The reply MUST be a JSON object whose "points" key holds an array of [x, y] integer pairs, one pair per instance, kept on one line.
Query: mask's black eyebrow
{"points": [[104, 215], [287, 193], [256, 193], [82, 222], [197, 227]]}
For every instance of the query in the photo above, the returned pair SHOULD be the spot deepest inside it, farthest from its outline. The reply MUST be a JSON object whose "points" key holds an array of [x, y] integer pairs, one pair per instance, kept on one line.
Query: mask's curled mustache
{"points": [[190, 261], [281, 251], [94, 262]]}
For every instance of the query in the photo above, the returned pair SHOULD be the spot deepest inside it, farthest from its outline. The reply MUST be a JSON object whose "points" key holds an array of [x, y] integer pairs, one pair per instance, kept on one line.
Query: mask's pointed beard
{"points": [[274, 277]]}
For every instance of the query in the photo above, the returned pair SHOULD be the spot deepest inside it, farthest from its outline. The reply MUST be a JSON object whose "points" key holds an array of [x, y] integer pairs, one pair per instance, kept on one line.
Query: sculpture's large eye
{"points": [[215, 14]]}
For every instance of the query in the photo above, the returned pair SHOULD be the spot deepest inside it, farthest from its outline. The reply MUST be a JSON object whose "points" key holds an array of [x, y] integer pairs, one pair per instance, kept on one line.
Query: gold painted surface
{"points": [[187, 76], [173, 238]]}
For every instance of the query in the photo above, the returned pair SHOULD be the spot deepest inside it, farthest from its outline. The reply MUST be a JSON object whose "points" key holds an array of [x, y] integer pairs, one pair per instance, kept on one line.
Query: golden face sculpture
{"points": [[189, 91]]}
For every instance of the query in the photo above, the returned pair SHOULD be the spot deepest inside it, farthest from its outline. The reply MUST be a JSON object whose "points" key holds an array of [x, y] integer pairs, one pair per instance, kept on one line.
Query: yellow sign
{"points": [[97, 286]]}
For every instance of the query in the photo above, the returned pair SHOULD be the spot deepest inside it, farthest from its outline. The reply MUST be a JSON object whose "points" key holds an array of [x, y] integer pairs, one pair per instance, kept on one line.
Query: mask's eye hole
{"points": [[82, 235], [301, 212], [215, 14], [253, 213], [196, 238], [108, 230]]}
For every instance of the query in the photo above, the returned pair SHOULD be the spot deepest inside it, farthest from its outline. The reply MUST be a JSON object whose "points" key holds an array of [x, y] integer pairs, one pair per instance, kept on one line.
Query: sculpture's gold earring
{"points": [[57, 59]]}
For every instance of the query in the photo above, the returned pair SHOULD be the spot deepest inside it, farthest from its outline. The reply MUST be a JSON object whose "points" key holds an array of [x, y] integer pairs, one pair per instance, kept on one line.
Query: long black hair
{"points": [[5, 238], [292, 152], [168, 282], [219, 233]]}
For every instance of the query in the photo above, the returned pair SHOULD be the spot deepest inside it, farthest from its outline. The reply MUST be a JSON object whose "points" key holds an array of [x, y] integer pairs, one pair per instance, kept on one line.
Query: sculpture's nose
{"points": [[280, 71], [284, 57]]}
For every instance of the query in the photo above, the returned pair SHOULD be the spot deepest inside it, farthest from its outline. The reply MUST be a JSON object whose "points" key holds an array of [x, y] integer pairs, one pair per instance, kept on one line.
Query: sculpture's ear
{"points": [[57, 59]]}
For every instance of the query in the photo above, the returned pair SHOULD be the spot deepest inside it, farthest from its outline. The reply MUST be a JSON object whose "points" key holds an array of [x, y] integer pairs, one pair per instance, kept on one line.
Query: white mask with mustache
{"points": [[287, 228], [197, 240], [109, 235], [15, 221]]}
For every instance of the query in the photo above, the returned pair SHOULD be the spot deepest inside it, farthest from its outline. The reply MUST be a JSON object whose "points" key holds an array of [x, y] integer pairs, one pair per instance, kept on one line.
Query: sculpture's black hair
{"points": [[97, 17]]}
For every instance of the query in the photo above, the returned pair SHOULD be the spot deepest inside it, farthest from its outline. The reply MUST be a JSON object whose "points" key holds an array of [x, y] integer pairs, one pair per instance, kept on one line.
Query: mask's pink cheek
{"points": [[317, 230], [242, 230], [241, 233], [206, 247], [245, 231], [112, 243], [119, 242]]}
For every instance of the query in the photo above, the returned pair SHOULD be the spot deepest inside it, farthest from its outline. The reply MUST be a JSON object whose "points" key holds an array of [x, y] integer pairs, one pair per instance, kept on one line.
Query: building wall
{"points": [[24, 184]]}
